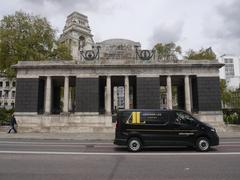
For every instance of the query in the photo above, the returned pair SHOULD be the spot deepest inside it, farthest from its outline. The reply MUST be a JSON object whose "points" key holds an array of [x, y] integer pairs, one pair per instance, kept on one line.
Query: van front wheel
{"points": [[134, 144], [202, 144]]}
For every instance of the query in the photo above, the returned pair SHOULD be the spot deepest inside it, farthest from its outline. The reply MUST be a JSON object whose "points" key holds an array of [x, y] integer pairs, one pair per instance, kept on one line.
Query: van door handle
{"points": [[185, 134]]}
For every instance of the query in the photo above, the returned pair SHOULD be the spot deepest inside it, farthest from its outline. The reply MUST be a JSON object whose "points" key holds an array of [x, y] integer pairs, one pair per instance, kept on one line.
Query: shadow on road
{"points": [[163, 149]]}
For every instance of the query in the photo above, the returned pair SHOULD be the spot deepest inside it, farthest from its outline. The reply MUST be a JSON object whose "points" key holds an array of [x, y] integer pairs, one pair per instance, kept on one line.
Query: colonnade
{"points": [[108, 100]]}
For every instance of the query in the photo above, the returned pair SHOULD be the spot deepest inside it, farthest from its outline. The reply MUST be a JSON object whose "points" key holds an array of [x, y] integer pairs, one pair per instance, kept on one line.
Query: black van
{"points": [[138, 128]]}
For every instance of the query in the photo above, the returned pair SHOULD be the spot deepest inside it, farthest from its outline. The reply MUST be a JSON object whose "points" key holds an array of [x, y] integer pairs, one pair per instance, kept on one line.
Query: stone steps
{"points": [[74, 124], [69, 129], [233, 128], [4, 128]]}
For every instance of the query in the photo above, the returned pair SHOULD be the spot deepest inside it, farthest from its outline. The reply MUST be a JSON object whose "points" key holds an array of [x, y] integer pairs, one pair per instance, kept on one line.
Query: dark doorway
{"points": [[132, 91], [178, 92], [72, 94], [41, 94], [57, 94]]}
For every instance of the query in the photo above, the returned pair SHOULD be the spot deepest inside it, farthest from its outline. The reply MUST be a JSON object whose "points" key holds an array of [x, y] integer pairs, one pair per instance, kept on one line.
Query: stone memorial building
{"points": [[81, 95]]}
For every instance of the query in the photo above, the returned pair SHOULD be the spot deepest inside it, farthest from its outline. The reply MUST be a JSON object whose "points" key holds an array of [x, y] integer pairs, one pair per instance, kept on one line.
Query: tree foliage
{"points": [[225, 93], [206, 54], [168, 51], [27, 37], [61, 52], [5, 115]]}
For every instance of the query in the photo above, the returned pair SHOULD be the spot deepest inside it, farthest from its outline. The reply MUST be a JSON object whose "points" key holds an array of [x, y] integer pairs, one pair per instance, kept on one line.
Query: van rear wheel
{"points": [[202, 144], [134, 144]]}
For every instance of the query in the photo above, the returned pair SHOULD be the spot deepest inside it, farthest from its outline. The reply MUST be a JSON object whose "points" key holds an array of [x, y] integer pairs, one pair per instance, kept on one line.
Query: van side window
{"points": [[154, 118], [184, 118], [124, 117]]}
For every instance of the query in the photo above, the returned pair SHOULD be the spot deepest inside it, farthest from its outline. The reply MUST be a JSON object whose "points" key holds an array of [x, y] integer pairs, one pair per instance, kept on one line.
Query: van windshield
{"points": [[184, 118]]}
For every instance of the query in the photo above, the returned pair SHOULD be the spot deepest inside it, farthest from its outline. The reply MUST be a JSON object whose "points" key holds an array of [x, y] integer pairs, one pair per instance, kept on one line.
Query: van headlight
{"points": [[213, 129]]}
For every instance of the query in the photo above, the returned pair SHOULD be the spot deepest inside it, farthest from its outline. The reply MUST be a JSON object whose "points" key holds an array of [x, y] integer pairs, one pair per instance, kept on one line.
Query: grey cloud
{"points": [[231, 23], [66, 5], [166, 33], [224, 28]]}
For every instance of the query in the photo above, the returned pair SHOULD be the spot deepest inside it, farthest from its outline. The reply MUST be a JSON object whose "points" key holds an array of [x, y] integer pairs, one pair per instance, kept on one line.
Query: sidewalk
{"points": [[60, 136], [83, 136], [231, 132]]}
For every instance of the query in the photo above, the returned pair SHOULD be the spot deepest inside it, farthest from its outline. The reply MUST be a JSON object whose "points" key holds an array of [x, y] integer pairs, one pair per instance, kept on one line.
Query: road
{"points": [[68, 159]]}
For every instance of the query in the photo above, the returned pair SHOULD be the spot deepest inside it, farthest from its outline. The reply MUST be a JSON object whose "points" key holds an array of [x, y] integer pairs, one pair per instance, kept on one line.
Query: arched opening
{"points": [[82, 42]]}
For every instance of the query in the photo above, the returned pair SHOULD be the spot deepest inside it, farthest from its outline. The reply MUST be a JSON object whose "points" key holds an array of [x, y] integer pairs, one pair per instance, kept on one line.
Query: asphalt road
{"points": [[58, 159]]}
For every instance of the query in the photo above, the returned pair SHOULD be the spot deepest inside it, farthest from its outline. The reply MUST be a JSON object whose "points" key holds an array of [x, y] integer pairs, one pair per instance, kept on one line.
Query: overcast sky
{"points": [[189, 23]]}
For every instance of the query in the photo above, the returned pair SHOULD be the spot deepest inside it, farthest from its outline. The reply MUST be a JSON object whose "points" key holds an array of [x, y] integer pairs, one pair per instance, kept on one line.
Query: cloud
{"points": [[222, 27], [66, 5], [166, 33], [230, 14]]}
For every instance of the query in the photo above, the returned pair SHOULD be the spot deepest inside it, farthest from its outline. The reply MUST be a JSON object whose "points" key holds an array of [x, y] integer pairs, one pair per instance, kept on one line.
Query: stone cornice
{"points": [[115, 64]]}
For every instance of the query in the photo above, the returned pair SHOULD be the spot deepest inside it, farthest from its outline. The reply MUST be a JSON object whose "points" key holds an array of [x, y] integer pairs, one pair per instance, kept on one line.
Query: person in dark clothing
{"points": [[12, 124]]}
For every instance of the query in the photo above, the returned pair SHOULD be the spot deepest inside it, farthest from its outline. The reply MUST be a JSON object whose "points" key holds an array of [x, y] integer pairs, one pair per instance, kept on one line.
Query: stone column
{"points": [[187, 94], [108, 108], [48, 94], [66, 94], [169, 92], [126, 89], [70, 108]]}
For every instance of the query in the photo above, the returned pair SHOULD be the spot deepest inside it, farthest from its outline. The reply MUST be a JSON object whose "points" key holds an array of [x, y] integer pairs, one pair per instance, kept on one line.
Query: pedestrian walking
{"points": [[13, 122]]}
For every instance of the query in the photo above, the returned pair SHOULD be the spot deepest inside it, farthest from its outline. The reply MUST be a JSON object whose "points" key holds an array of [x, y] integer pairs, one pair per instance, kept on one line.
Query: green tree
{"points": [[168, 51], [206, 54], [5, 116], [62, 52], [225, 93], [26, 37]]}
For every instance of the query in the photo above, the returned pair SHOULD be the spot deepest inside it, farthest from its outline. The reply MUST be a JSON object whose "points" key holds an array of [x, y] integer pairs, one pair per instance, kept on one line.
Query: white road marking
{"points": [[118, 154], [81, 143], [230, 145], [230, 142]]}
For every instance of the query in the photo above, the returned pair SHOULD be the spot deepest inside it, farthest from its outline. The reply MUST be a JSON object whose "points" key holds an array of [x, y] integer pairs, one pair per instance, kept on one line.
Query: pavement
{"points": [[230, 132], [60, 136]]}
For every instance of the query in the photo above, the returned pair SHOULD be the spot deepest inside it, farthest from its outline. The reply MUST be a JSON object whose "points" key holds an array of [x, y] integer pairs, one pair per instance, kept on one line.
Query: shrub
{"points": [[5, 116], [231, 116]]}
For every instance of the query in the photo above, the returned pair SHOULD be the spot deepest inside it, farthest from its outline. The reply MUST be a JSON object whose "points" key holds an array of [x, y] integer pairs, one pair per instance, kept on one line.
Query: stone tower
{"points": [[77, 34]]}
